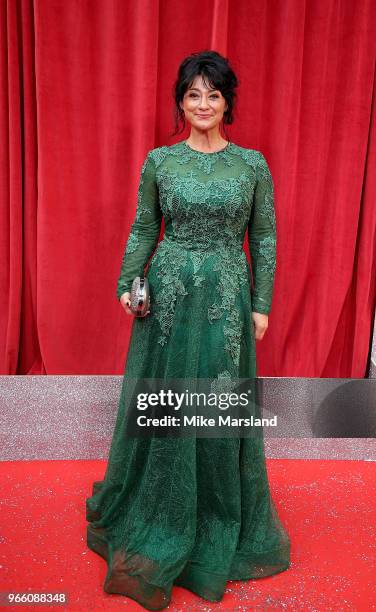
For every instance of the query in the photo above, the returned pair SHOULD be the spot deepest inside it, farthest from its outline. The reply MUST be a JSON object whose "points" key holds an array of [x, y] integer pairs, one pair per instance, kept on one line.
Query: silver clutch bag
{"points": [[140, 296]]}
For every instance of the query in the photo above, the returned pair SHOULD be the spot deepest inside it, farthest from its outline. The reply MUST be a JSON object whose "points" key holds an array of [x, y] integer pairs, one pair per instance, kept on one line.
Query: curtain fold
{"points": [[87, 91]]}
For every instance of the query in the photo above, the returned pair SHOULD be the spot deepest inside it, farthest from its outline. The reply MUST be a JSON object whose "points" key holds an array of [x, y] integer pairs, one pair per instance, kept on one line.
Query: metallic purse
{"points": [[140, 296]]}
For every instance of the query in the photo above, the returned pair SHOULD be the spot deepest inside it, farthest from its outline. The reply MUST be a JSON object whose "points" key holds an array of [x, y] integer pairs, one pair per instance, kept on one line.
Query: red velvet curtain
{"points": [[87, 91]]}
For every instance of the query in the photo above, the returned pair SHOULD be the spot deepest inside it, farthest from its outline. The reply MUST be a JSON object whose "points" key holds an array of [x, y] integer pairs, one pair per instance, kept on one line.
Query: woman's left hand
{"points": [[260, 322]]}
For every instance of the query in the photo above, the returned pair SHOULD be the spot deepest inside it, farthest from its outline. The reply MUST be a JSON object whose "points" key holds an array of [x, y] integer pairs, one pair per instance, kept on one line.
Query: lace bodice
{"points": [[207, 200]]}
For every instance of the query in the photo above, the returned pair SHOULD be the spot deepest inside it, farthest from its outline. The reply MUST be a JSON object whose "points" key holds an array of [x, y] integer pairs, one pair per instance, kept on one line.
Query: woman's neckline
{"points": [[206, 152]]}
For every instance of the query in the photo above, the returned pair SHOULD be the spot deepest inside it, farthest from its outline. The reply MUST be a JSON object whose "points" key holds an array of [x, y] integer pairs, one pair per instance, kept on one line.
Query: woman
{"points": [[194, 512]]}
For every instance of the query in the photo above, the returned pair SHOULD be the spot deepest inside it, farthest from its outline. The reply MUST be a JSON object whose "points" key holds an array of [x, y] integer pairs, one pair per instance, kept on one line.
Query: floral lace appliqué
{"points": [[169, 262], [266, 249], [223, 383], [132, 242], [232, 275]]}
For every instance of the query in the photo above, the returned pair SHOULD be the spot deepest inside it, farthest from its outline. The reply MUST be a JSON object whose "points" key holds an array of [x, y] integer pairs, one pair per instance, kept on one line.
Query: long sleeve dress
{"points": [[193, 512]]}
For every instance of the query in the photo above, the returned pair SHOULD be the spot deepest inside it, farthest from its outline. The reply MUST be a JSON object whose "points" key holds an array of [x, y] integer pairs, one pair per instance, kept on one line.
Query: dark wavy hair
{"points": [[216, 72]]}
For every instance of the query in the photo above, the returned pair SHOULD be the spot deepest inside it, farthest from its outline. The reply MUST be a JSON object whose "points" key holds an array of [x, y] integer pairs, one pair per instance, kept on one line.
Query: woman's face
{"points": [[203, 107]]}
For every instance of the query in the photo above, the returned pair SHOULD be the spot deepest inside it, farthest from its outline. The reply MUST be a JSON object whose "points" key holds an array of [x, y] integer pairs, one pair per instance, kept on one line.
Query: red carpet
{"points": [[328, 508]]}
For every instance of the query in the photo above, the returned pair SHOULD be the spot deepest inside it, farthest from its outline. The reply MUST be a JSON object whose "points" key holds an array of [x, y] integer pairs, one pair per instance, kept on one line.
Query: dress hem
{"points": [[97, 542], [194, 577]]}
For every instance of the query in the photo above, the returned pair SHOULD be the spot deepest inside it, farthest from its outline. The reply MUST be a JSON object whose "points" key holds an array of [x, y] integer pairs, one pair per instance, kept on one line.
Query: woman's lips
{"points": [[204, 116]]}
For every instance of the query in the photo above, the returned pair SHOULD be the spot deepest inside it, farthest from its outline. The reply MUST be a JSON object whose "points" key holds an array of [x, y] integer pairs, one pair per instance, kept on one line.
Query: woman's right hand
{"points": [[125, 301]]}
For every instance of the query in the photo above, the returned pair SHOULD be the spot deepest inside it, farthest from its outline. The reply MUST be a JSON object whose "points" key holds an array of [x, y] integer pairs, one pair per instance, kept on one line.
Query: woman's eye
{"points": [[213, 96]]}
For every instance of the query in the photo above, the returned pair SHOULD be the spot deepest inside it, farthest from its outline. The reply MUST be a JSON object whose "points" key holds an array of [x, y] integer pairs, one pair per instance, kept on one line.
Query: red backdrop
{"points": [[87, 91]]}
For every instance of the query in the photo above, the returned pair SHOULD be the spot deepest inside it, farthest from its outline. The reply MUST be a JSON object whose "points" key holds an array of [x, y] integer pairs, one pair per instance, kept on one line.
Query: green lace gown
{"points": [[193, 512]]}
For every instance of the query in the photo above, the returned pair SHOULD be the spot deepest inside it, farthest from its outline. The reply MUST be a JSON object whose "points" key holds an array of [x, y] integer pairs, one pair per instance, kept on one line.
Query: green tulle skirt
{"points": [[194, 512]]}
